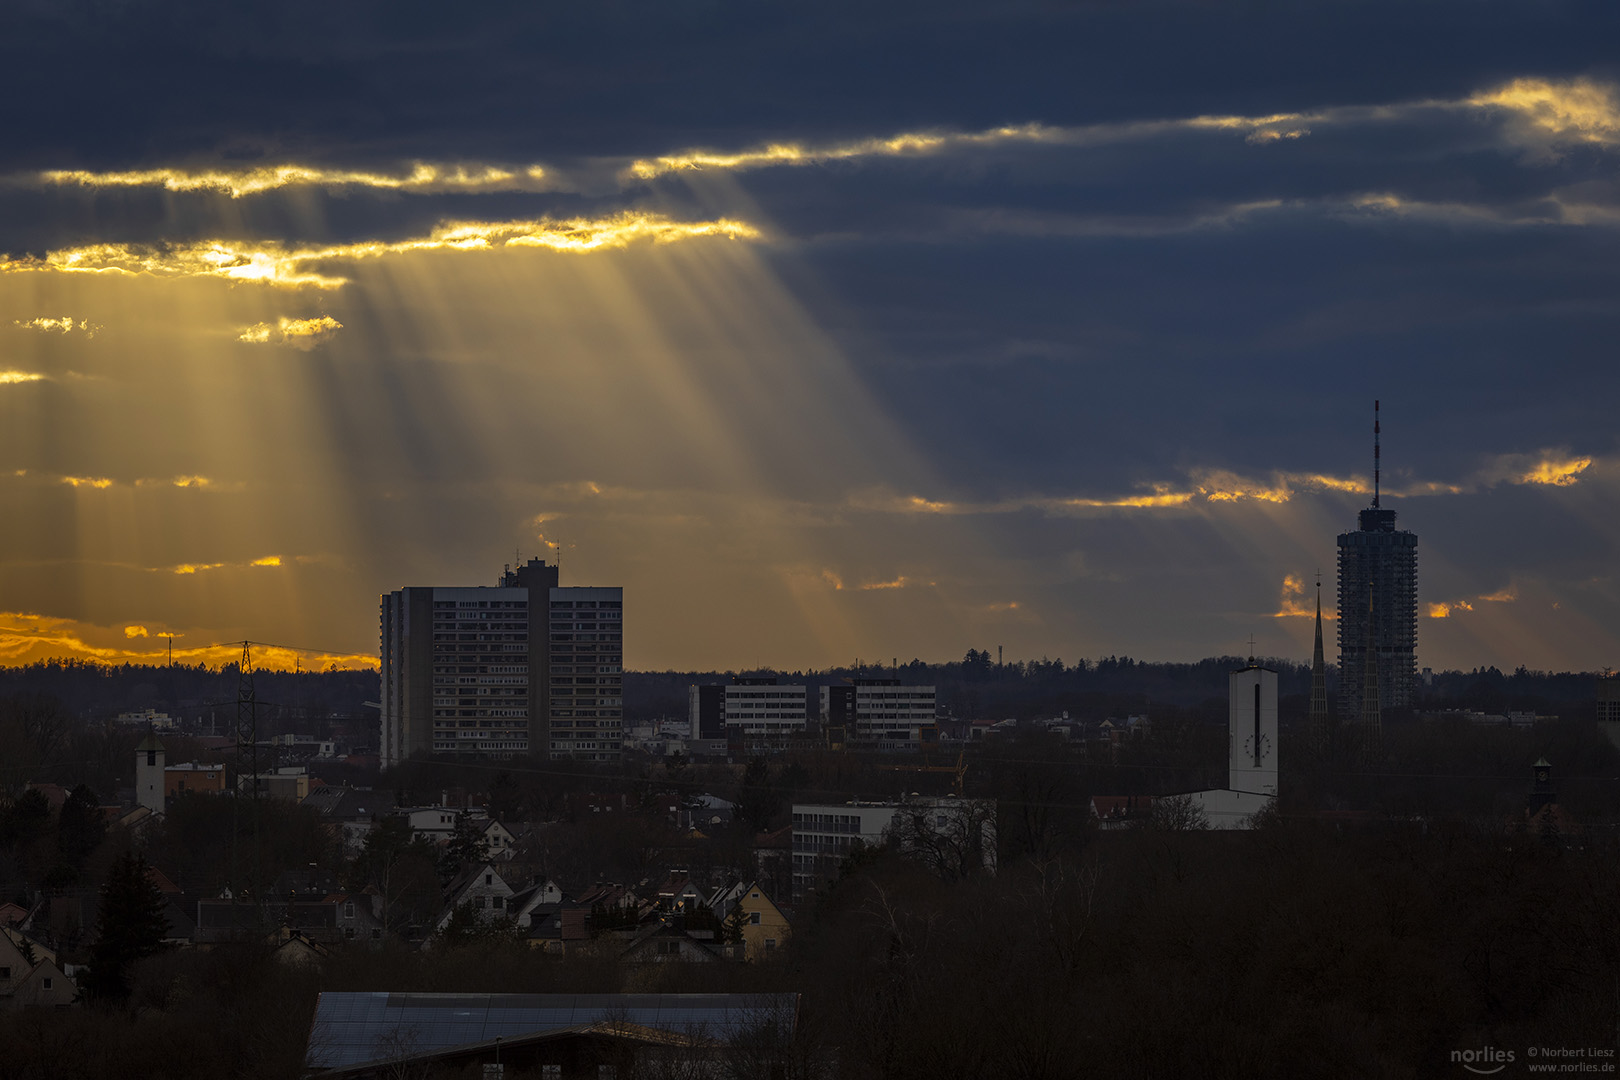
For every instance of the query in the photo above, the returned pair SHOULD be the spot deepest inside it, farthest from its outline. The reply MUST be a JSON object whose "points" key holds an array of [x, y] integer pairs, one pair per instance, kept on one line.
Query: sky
{"points": [[830, 332]]}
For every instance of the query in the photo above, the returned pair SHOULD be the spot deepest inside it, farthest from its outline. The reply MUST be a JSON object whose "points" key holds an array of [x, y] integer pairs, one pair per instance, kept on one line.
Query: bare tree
{"points": [[956, 839], [1175, 813], [399, 1054]]}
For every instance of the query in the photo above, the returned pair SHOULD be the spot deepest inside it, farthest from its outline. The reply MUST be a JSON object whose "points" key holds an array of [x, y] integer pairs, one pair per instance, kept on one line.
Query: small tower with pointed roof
{"points": [[149, 765], [1319, 698]]}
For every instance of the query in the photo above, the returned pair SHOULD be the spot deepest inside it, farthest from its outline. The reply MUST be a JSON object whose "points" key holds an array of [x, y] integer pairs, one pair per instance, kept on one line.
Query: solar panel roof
{"points": [[352, 1029]]}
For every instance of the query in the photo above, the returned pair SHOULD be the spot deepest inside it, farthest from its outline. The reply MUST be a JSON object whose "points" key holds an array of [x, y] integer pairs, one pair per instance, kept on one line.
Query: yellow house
{"points": [[765, 929]]}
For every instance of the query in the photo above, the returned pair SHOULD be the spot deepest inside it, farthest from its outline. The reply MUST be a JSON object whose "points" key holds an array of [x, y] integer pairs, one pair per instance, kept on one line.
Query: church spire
{"points": [[1319, 706]]}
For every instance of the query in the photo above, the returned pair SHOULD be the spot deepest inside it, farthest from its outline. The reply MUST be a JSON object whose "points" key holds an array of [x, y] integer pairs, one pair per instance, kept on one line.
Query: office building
{"points": [[1608, 707], [760, 713], [878, 711], [524, 667], [1377, 612]]}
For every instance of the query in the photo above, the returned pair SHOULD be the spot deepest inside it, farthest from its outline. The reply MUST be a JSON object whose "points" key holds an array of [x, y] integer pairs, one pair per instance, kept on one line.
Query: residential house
{"points": [[1120, 811], [438, 823], [765, 928], [678, 893], [541, 897], [498, 841], [37, 982], [480, 886], [661, 941]]}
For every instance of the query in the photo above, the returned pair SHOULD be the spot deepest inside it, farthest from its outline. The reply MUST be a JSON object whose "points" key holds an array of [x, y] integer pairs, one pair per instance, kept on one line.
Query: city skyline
{"points": [[1051, 331]]}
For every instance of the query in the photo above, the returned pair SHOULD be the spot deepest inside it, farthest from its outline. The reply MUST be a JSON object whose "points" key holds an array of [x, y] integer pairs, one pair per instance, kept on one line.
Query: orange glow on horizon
{"points": [[27, 638]]}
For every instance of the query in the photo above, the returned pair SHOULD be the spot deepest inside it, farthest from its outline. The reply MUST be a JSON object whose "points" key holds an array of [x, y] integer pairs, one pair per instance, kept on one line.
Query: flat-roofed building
{"points": [[762, 713], [879, 711], [487, 671]]}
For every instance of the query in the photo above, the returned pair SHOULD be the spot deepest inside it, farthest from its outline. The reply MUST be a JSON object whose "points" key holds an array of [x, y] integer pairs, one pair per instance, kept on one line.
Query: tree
{"points": [[468, 926], [956, 840], [1176, 813], [401, 867], [465, 849], [80, 828], [130, 926], [736, 920], [27, 819], [758, 801]]}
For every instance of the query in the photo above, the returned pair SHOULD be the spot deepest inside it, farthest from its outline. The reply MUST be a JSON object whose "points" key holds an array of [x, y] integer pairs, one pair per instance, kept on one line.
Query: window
{"points": [[5, 973], [48, 983], [753, 918], [482, 901], [348, 932], [348, 909]]}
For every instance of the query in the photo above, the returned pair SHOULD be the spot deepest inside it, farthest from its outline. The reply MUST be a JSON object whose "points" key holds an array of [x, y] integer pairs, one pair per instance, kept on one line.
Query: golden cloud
{"points": [[271, 263], [134, 631], [422, 177], [1221, 486], [267, 560], [64, 325], [1293, 591], [1445, 608], [9, 378], [192, 568], [299, 333], [87, 481], [1574, 111], [832, 579], [1258, 129], [789, 153], [1556, 472], [901, 582]]}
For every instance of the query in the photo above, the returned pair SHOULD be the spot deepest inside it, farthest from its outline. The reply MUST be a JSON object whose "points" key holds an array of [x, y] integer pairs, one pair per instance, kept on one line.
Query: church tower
{"points": [[1252, 730], [149, 763]]}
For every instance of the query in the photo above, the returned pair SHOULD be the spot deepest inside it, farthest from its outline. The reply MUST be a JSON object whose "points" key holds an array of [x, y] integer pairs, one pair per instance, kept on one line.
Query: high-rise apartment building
{"points": [[1377, 610], [523, 667]]}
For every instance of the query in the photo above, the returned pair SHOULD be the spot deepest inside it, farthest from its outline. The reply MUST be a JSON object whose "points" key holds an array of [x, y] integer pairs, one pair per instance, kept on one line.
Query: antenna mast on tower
{"points": [[1377, 462]]}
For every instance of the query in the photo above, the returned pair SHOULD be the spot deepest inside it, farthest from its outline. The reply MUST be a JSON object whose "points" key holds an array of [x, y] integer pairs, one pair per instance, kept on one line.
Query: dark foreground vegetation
{"points": [[1392, 911], [1299, 949]]}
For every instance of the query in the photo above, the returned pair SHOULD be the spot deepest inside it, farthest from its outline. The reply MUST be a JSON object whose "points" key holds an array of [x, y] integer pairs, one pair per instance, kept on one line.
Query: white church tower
{"points": [[1251, 726], [1251, 756], [149, 763]]}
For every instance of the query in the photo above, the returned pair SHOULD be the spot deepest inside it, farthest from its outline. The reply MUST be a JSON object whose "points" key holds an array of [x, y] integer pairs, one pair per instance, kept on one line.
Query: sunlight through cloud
{"points": [[271, 263], [423, 177]]}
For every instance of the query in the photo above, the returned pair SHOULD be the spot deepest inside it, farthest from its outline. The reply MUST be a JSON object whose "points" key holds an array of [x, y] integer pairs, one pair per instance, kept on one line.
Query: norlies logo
{"points": [[1485, 1061]]}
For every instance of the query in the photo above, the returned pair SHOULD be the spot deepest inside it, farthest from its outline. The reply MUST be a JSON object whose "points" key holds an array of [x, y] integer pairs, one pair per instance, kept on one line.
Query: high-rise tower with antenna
{"points": [[1377, 607]]}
